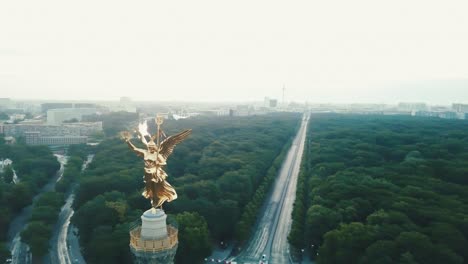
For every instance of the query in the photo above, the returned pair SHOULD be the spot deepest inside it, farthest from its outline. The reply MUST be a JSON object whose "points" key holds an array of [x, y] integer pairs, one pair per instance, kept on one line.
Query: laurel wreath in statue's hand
{"points": [[126, 135]]}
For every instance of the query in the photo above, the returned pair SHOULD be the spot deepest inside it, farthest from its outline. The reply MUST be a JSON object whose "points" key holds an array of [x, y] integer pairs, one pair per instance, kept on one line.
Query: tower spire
{"points": [[284, 89]]}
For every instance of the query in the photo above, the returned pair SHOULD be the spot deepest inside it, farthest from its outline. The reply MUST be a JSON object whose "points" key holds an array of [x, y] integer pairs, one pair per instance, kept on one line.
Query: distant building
{"points": [[270, 103], [65, 140], [439, 108], [15, 117], [461, 115], [448, 115], [426, 114], [412, 107], [223, 112], [43, 134], [125, 100], [32, 137], [390, 112], [5, 103], [48, 106], [273, 103], [441, 114], [85, 128], [84, 105], [58, 116], [124, 105], [460, 108], [35, 138], [241, 110], [10, 140], [212, 112]]}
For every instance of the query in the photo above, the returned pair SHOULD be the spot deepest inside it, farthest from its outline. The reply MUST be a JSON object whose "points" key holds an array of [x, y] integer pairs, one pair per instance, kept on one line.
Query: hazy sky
{"points": [[323, 51]]}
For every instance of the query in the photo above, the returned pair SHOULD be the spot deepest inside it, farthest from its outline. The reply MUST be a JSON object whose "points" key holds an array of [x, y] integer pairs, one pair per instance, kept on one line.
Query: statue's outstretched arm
{"points": [[138, 151]]}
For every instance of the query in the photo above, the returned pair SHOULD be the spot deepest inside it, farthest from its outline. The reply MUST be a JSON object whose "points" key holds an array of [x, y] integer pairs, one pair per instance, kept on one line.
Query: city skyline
{"points": [[339, 52], [433, 94]]}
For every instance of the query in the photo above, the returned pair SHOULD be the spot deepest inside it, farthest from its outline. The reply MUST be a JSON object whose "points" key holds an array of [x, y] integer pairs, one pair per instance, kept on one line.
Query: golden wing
{"points": [[167, 146]]}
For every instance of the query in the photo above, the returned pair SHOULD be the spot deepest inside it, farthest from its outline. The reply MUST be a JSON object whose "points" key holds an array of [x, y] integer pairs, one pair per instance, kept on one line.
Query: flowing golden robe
{"points": [[156, 187]]}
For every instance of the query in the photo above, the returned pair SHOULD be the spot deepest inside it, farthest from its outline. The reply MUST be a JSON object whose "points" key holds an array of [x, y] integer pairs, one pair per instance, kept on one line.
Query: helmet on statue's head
{"points": [[151, 145]]}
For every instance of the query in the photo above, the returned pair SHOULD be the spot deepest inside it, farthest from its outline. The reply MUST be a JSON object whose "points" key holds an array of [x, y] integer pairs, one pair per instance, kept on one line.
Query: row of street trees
{"points": [[46, 210], [35, 165]]}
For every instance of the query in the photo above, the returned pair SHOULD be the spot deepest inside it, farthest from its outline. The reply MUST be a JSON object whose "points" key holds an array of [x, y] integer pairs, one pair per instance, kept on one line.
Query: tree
{"points": [[109, 245], [407, 258], [4, 116], [382, 251], [402, 177], [21, 195], [8, 174], [194, 241], [4, 253], [346, 244], [228, 211], [37, 235], [320, 220], [101, 211], [448, 235], [46, 214], [419, 245]]}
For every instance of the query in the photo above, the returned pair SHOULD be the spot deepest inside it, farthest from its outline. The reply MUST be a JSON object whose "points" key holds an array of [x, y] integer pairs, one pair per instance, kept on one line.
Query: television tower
{"points": [[284, 89]]}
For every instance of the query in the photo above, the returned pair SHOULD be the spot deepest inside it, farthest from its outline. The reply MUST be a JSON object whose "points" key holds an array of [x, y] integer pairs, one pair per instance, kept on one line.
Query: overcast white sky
{"points": [[323, 51]]}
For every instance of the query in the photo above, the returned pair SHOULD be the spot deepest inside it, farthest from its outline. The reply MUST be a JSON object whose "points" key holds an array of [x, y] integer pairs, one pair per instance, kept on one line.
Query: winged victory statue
{"points": [[157, 189]]}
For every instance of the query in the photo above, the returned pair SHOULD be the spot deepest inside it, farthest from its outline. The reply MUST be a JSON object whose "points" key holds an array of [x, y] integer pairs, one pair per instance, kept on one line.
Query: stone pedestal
{"points": [[154, 241], [153, 224]]}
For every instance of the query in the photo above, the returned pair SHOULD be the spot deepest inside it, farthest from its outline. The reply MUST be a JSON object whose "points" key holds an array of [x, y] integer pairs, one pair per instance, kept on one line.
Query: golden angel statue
{"points": [[157, 189]]}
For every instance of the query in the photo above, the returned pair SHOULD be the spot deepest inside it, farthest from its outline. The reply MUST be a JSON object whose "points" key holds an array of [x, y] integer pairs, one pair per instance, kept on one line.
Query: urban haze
{"points": [[241, 132], [334, 52]]}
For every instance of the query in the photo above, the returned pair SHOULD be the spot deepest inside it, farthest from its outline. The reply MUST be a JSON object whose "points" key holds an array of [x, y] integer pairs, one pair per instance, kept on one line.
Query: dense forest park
{"points": [[33, 166], [222, 174], [383, 189]]}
